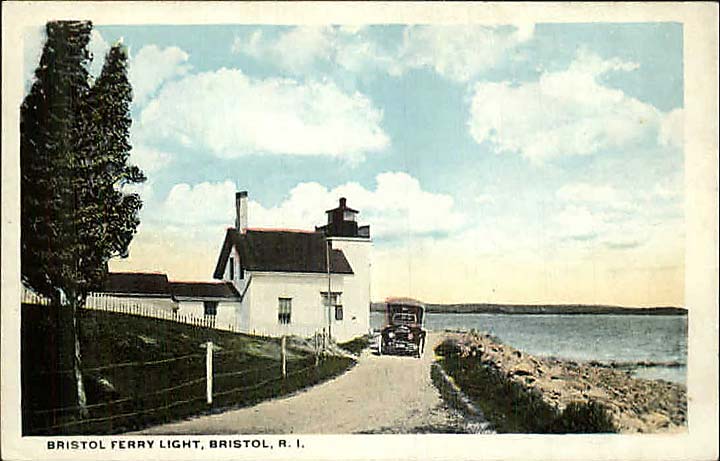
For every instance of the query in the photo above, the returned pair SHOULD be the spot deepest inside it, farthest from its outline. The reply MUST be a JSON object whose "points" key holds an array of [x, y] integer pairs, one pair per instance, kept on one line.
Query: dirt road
{"points": [[379, 395]]}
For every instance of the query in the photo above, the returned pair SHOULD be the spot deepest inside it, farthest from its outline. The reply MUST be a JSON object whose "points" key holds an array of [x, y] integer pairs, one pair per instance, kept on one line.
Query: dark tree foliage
{"points": [[48, 134], [109, 215], [73, 159]]}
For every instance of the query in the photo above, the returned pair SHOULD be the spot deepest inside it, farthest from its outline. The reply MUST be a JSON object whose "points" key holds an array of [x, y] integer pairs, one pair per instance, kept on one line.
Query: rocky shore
{"points": [[559, 391]]}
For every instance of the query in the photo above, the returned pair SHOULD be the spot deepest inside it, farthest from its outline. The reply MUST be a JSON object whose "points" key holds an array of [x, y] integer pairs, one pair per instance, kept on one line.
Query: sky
{"points": [[528, 163]]}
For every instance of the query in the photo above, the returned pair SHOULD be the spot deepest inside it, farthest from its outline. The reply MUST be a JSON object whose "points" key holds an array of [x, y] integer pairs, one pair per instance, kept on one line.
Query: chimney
{"points": [[241, 211], [343, 201]]}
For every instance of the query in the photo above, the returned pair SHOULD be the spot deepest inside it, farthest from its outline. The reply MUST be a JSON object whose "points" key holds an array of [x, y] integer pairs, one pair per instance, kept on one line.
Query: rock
{"points": [[636, 405], [656, 421], [99, 389], [147, 340], [522, 369]]}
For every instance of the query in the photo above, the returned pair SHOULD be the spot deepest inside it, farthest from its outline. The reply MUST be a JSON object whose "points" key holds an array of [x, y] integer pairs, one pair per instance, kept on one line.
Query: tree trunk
{"points": [[77, 362], [73, 390]]}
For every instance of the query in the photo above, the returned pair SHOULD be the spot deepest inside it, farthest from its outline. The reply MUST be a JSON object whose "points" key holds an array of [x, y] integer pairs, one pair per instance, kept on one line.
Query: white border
{"points": [[700, 22]]}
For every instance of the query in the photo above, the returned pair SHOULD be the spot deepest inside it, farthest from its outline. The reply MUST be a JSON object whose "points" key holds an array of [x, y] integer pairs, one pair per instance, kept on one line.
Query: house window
{"points": [[284, 310], [334, 303], [210, 307], [232, 268]]}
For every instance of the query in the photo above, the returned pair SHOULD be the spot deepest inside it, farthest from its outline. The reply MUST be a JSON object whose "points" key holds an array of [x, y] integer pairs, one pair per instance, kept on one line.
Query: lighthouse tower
{"points": [[344, 233]]}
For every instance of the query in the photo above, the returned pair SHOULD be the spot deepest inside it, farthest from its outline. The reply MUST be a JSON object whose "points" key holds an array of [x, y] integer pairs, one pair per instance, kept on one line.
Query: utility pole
{"points": [[329, 296]]}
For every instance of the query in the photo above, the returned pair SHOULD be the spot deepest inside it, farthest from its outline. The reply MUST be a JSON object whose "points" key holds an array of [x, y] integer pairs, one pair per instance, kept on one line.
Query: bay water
{"points": [[652, 346]]}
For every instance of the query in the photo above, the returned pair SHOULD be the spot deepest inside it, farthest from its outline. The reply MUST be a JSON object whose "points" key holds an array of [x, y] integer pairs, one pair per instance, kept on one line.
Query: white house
{"points": [[283, 276], [147, 288], [217, 300]]}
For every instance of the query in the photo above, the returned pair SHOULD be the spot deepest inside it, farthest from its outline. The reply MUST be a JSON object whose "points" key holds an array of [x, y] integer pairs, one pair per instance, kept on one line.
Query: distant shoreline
{"points": [[529, 309]]}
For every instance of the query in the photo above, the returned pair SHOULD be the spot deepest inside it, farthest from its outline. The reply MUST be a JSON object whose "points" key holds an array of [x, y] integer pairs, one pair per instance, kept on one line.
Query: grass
{"points": [[246, 370], [513, 408], [357, 345]]}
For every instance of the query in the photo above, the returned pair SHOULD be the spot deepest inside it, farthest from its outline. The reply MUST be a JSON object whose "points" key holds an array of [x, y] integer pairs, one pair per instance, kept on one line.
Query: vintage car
{"points": [[403, 332]]}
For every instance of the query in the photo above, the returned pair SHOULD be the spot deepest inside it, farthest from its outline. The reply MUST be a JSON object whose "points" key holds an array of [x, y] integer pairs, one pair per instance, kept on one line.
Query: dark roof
{"points": [[342, 206], [204, 290], [281, 251], [137, 283]]}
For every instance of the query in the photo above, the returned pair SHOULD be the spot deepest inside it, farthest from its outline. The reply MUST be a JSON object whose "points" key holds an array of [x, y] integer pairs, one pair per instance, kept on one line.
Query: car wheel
{"points": [[421, 348]]}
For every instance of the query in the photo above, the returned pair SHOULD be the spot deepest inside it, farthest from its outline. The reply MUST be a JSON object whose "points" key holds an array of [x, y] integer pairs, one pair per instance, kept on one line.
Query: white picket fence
{"points": [[120, 305], [30, 297], [109, 303]]}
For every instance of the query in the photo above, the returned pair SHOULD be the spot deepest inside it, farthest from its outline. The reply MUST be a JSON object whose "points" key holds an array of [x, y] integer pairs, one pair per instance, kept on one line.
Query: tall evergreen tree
{"points": [[75, 215], [48, 125], [109, 214]]}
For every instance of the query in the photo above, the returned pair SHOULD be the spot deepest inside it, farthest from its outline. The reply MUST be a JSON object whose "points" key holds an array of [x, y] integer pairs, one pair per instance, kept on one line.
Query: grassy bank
{"points": [[512, 407], [357, 345], [153, 371]]}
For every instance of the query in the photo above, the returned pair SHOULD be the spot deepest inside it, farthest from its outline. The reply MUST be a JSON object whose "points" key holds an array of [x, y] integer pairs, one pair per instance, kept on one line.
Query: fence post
{"points": [[283, 355], [209, 372], [317, 349]]}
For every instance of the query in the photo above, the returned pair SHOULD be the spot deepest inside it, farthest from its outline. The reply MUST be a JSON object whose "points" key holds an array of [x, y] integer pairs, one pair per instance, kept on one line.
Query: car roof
{"points": [[404, 302]]}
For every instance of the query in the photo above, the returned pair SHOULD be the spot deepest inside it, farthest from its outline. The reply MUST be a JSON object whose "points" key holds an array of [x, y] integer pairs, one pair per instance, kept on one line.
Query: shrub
{"points": [[512, 407], [584, 417], [357, 345], [448, 348]]}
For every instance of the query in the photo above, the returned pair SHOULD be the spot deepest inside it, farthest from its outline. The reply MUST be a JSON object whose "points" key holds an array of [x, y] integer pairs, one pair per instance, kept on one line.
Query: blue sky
{"points": [[505, 164]]}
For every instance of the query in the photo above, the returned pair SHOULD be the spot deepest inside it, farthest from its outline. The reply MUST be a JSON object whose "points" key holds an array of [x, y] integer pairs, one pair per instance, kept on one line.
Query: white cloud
{"points": [[569, 112], [458, 53], [616, 202], [230, 114], [587, 227], [299, 49], [152, 66], [672, 128], [524, 31], [206, 203], [33, 41], [397, 206], [145, 190], [583, 192], [594, 215], [484, 198], [98, 48], [295, 50], [598, 255], [578, 223], [149, 159], [668, 189]]}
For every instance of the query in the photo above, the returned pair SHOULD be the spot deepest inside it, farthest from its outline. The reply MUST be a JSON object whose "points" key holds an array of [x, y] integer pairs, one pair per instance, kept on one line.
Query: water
{"points": [[655, 346]]}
